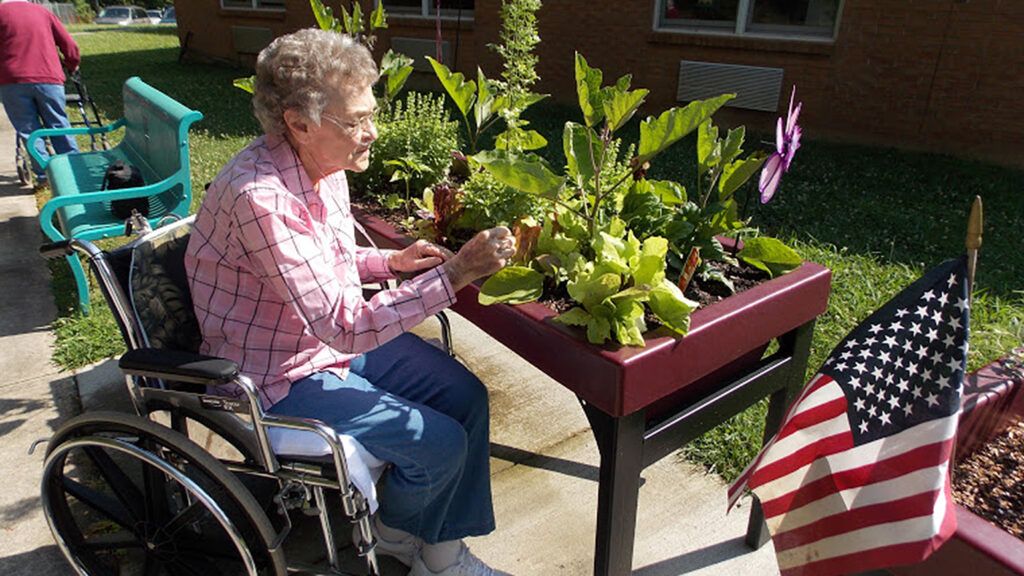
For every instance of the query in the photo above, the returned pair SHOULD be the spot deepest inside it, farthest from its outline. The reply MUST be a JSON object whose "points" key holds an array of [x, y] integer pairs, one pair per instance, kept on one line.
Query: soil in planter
{"points": [[990, 482]]}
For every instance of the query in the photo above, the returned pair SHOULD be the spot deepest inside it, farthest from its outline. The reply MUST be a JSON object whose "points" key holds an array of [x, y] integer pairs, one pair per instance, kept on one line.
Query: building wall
{"points": [[943, 75]]}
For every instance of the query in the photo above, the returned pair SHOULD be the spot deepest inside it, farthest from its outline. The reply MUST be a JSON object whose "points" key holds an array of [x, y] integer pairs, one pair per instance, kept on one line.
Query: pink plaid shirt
{"points": [[276, 275]]}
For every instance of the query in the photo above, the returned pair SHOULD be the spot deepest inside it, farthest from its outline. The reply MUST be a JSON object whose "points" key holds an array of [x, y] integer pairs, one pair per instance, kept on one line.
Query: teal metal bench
{"points": [[155, 140]]}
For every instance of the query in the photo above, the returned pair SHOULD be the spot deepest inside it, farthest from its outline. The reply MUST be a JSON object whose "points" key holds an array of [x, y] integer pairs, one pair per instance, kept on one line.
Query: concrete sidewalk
{"points": [[544, 458]]}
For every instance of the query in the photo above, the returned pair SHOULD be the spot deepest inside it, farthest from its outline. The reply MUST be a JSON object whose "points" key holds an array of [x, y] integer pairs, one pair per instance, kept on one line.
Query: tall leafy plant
{"points": [[395, 68], [483, 101], [592, 243]]}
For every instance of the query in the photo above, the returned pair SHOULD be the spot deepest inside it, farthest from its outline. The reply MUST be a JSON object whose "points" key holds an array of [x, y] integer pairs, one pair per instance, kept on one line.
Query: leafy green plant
{"points": [[587, 241], [483, 101], [405, 169], [394, 68], [416, 127], [487, 203]]}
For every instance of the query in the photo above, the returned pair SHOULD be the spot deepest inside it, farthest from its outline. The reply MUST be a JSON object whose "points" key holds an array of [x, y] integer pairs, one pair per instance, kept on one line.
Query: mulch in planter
{"points": [[990, 482]]}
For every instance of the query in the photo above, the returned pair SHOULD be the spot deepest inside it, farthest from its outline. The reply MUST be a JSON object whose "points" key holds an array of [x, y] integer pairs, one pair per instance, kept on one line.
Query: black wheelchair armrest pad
{"points": [[178, 366]]}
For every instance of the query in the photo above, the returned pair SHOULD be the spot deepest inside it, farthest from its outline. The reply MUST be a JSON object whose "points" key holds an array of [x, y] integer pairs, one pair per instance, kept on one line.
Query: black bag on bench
{"points": [[119, 175]]}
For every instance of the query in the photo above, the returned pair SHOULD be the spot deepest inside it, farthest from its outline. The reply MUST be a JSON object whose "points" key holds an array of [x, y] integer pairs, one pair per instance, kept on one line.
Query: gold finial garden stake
{"points": [[973, 243]]}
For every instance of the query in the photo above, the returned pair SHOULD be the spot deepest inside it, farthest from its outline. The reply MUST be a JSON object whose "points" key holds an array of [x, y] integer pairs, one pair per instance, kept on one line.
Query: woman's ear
{"points": [[299, 127]]}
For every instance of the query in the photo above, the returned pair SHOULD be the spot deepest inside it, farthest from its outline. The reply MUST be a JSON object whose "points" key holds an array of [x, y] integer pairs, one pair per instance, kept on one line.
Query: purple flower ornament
{"points": [[787, 141]]}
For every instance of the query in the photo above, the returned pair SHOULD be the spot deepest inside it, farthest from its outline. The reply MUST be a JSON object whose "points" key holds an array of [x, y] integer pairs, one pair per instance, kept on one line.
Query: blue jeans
{"points": [[410, 404], [27, 104]]}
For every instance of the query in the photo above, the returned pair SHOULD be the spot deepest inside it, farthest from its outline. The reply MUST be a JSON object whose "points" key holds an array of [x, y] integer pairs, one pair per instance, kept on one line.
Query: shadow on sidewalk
{"points": [[43, 560]]}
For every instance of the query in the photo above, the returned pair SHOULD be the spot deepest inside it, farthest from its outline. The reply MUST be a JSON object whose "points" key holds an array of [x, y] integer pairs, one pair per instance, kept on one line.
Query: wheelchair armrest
{"points": [[178, 366]]}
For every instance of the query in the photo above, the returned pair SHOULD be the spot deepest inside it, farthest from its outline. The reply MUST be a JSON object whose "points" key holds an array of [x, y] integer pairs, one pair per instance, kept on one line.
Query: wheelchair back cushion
{"points": [[159, 289]]}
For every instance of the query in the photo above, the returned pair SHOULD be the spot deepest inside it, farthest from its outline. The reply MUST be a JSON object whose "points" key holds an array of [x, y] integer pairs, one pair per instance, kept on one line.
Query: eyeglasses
{"points": [[359, 127]]}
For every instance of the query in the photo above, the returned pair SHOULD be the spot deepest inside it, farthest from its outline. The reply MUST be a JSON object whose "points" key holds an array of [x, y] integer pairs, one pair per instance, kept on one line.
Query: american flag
{"points": [[857, 478]]}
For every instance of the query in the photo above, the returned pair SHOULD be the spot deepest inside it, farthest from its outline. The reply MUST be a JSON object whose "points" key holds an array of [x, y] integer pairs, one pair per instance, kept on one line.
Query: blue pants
{"points": [[410, 404], [27, 104]]}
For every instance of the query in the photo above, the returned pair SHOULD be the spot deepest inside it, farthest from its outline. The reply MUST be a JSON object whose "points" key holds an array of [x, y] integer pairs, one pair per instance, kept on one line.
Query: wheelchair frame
{"points": [[150, 375]]}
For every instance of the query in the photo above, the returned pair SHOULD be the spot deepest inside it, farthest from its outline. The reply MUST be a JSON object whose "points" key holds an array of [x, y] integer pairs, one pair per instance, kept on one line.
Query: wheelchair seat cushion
{"points": [[159, 289], [364, 469]]}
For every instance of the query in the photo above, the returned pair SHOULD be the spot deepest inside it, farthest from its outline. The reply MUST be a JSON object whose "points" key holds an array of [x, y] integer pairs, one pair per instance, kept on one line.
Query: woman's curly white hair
{"points": [[300, 71]]}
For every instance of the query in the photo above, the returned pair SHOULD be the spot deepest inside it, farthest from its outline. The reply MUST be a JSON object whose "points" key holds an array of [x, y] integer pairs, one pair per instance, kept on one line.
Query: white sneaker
{"points": [[404, 550], [468, 565]]}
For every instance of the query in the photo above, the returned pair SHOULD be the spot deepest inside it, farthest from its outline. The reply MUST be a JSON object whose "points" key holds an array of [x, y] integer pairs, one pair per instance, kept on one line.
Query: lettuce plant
{"points": [[608, 230]]}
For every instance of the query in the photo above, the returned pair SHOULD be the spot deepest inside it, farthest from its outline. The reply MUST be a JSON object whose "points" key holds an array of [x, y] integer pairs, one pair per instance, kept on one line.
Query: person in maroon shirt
{"points": [[31, 74]]}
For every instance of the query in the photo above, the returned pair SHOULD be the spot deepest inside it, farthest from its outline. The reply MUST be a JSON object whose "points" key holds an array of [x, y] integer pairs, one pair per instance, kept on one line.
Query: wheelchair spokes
{"points": [[131, 497]]}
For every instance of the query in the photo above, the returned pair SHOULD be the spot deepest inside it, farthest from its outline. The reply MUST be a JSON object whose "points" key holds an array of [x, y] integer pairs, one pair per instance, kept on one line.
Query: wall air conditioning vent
{"points": [[756, 88]]}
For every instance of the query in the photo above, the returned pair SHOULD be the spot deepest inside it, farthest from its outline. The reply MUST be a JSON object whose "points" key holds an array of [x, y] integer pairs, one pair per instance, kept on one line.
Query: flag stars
{"points": [[890, 341], [962, 304], [859, 404], [922, 351], [932, 399], [854, 382], [928, 296], [951, 281], [885, 418], [953, 364], [894, 401], [943, 298], [846, 355], [841, 366], [949, 340], [915, 328], [937, 316], [954, 322], [903, 384], [875, 328], [943, 382], [922, 311], [901, 313], [885, 357], [860, 367], [865, 353], [908, 409], [932, 335], [863, 427], [877, 372]]}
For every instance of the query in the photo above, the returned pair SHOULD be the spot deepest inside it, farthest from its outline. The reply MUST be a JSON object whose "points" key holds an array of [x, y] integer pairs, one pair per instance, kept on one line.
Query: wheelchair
{"points": [[136, 493]]}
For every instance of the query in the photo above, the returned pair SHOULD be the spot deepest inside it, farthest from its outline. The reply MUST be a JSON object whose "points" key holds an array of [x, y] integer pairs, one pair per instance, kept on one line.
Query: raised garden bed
{"points": [[993, 402], [643, 403]]}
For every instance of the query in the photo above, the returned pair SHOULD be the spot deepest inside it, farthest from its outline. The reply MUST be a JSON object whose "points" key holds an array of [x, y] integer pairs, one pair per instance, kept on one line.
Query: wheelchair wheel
{"points": [[124, 495], [23, 162]]}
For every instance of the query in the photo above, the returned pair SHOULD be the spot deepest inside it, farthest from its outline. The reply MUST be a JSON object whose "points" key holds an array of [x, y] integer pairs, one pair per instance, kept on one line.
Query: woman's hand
{"points": [[485, 254], [419, 255]]}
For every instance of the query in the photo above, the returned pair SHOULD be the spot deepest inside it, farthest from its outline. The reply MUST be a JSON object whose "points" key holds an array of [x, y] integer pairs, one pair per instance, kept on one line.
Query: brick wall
{"points": [[943, 75]]}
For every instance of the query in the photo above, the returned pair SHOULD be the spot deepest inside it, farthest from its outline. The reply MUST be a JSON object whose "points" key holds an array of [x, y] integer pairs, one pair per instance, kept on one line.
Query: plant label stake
{"points": [[692, 260]]}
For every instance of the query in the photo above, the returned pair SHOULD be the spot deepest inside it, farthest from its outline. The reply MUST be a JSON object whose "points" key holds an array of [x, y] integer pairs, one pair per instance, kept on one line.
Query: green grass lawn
{"points": [[878, 218]]}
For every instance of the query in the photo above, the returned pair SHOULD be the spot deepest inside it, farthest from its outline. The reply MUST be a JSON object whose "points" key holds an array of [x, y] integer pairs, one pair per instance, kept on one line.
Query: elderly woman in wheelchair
{"points": [[311, 386]]}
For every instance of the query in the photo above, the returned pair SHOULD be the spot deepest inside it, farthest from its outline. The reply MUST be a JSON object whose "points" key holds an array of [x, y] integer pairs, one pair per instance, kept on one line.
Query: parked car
{"points": [[169, 17], [123, 16], [154, 16]]}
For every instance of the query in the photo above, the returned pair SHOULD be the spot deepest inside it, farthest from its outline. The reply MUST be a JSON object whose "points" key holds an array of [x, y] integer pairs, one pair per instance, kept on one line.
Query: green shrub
{"points": [[487, 203], [418, 129]]}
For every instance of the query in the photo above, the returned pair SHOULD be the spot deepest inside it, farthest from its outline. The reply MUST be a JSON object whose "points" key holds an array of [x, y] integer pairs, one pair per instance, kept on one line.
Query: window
{"points": [[449, 8], [807, 18], [254, 4]]}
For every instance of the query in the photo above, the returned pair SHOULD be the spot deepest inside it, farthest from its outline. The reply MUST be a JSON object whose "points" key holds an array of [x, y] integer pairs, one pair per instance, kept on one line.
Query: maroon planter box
{"points": [[621, 380], [992, 402], [644, 403]]}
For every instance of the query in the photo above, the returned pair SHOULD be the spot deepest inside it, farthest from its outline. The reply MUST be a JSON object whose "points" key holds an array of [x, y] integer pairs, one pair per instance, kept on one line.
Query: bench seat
{"points": [[155, 141]]}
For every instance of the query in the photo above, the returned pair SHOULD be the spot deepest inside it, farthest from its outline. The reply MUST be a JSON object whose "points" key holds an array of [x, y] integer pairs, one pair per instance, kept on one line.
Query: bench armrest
{"points": [[30, 144], [178, 366]]}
